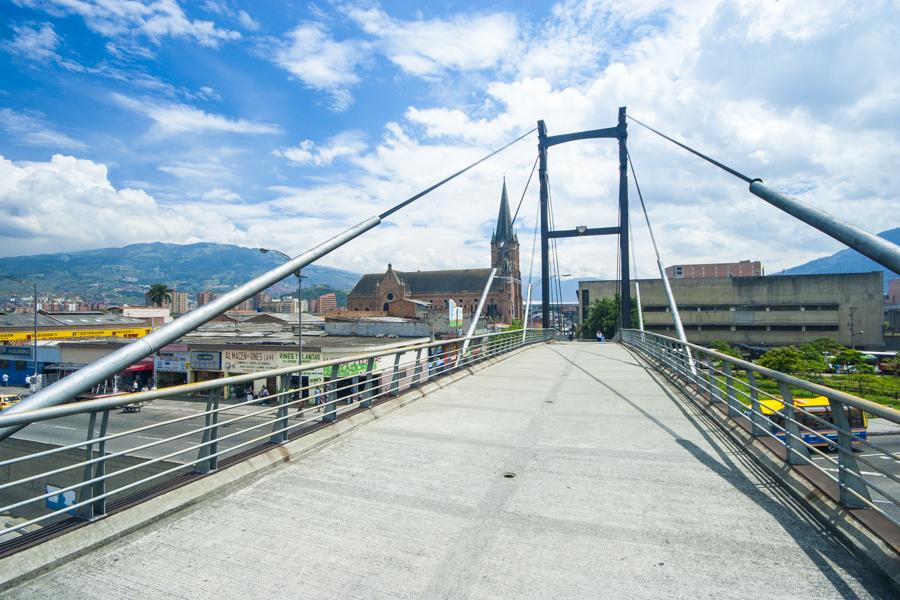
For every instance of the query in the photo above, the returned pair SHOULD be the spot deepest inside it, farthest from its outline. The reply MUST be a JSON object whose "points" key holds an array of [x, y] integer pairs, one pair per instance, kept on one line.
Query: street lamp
{"points": [[299, 303], [35, 339]]}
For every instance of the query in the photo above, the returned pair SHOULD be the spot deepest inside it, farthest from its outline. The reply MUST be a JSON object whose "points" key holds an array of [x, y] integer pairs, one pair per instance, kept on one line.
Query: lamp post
{"points": [[299, 303], [35, 337]]}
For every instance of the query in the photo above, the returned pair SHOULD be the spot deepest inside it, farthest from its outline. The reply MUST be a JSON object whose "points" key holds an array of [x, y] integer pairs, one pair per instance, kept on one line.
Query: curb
{"points": [[36, 560]]}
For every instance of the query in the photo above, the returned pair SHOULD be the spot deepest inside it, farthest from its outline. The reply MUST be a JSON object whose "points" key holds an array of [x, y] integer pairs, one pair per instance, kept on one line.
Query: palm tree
{"points": [[159, 294]]}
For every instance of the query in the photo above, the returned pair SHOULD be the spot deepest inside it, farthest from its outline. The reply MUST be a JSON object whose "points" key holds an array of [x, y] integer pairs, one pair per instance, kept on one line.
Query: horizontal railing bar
{"points": [[98, 404]]}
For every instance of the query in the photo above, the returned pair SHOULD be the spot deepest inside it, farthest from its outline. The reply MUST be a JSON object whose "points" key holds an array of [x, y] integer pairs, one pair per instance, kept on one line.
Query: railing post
{"points": [[279, 433], [207, 460], [96, 509], [330, 411], [849, 477], [367, 391], [417, 369], [797, 452], [730, 396], [395, 377], [714, 393], [756, 418]]}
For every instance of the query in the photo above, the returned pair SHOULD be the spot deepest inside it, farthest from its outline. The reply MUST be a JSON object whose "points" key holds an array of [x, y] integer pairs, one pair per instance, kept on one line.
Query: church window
{"points": [[390, 296], [385, 307]]}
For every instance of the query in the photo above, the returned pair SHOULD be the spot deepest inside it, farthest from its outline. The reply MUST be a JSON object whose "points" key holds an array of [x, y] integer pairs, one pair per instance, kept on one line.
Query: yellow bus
{"points": [[822, 434]]}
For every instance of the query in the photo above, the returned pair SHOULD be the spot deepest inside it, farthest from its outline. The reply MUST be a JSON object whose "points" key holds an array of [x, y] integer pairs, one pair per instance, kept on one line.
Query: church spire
{"points": [[504, 230]]}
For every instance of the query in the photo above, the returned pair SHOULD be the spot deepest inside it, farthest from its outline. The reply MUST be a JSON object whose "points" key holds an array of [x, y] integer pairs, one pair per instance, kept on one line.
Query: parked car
{"points": [[7, 400]]}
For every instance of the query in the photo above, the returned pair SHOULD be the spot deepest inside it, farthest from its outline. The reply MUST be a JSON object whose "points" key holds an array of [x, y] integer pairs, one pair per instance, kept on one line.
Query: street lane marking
{"points": [[862, 472], [63, 427], [147, 437]]}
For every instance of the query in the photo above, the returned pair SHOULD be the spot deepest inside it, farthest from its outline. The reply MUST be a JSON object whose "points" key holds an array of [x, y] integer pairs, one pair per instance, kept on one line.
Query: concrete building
{"points": [[744, 268], [375, 291], [155, 316], [765, 311], [179, 303], [205, 298], [327, 302]]}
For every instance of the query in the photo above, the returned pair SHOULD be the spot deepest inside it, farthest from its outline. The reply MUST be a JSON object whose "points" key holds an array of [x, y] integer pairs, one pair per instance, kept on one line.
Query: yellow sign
{"points": [[68, 334]]}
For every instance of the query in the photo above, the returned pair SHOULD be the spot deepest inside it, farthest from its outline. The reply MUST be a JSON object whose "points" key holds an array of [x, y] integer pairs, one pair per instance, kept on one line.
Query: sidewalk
{"points": [[883, 427]]}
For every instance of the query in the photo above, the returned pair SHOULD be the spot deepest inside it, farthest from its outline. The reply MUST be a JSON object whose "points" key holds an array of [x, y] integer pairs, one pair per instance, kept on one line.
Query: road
{"points": [[875, 473], [71, 430]]}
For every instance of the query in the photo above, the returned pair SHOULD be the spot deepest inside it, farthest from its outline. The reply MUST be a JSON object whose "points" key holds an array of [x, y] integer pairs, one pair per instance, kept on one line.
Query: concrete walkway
{"points": [[615, 490]]}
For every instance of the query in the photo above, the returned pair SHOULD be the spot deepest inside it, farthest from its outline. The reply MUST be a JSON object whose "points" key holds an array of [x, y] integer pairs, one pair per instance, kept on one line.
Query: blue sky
{"points": [[281, 123]]}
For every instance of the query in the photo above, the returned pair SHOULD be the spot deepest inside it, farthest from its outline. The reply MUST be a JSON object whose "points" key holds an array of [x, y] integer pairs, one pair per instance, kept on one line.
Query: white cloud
{"points": [[33, 131], [247, 21], [175, 119], [428, 47], [153, 19], [307, 152], [43, 207], [203, 171], [35, 42], [321, 62], [221, 195]]}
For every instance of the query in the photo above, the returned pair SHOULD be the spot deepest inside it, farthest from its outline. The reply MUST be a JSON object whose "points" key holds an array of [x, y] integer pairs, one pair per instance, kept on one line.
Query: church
{"points": [[375, 291]]}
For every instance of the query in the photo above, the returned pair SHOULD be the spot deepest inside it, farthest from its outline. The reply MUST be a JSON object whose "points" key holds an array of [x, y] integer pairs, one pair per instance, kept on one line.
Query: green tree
{"points": [[786, 359], [725, 348], [603, 315], [159, 294], [821, 347]]}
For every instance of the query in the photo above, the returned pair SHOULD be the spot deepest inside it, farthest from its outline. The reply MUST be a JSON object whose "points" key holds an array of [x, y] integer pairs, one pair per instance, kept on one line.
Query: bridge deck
{"points": [[619, 491]]}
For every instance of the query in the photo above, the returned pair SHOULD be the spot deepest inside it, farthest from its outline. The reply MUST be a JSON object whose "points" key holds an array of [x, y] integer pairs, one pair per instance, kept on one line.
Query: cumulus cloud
{"points": [[307, 152], [427, 47], [32, 130], [153, 20], [175, 119], [322, 63], [43, 204]]}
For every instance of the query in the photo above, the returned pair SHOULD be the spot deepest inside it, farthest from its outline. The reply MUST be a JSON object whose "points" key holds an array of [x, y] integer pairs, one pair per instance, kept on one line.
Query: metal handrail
{"points": [[874, 408], [92, 483], [853, 485], [118, 400]]}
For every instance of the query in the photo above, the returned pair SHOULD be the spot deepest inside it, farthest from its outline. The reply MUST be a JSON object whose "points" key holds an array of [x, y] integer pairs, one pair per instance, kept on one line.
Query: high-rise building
{"points": [[205, 298]]}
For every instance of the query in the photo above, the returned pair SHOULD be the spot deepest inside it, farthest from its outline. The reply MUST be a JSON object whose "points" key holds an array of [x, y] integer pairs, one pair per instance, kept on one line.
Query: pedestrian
{"points": [[599, 336], [28, 381], [135, 385], [264, 394], [317, 399], [5, 380], [249, 393]]}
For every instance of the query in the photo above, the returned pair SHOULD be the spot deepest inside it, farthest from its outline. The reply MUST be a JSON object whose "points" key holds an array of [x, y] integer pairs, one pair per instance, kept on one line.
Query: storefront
{"points": [[170, 366], [204, 365], [16, 361]]}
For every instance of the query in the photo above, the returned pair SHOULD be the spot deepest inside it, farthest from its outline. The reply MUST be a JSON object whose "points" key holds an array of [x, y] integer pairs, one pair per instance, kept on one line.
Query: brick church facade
{"points": [[375, 291]]}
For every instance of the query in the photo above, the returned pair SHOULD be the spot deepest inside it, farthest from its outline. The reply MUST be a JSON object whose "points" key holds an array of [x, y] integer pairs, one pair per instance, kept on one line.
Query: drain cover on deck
{"points": [[509, 475]]}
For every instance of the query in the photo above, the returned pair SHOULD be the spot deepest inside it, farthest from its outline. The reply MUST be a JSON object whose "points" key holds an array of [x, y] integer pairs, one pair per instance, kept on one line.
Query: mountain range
{"points": [[847, 261], [124, 274]]}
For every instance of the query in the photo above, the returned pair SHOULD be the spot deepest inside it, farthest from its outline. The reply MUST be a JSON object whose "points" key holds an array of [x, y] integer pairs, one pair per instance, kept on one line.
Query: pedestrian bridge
{"points": [[566, 470]]}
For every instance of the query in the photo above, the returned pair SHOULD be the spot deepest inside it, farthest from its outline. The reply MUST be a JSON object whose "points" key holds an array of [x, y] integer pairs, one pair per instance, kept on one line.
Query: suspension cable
{"points": [[428, 190], [527, 183], [724, 167]]}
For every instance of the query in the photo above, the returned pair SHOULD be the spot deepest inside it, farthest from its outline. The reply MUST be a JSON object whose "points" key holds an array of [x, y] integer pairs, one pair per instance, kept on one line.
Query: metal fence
{"points": [[866, 474], [117, 462]]}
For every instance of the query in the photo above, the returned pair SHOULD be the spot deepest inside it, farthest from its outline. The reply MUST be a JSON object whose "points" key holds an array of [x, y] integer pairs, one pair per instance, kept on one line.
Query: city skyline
{"points": [[246, 124]]}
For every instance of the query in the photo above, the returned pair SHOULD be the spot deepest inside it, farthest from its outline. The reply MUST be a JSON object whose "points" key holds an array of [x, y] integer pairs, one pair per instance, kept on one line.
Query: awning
{"points": [[144, 365]]}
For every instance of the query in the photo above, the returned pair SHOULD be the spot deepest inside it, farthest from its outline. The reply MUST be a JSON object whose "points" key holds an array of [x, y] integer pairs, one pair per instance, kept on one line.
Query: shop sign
{"points": [[206, 361], [170, 362], [250, 361], [17, 352]]}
